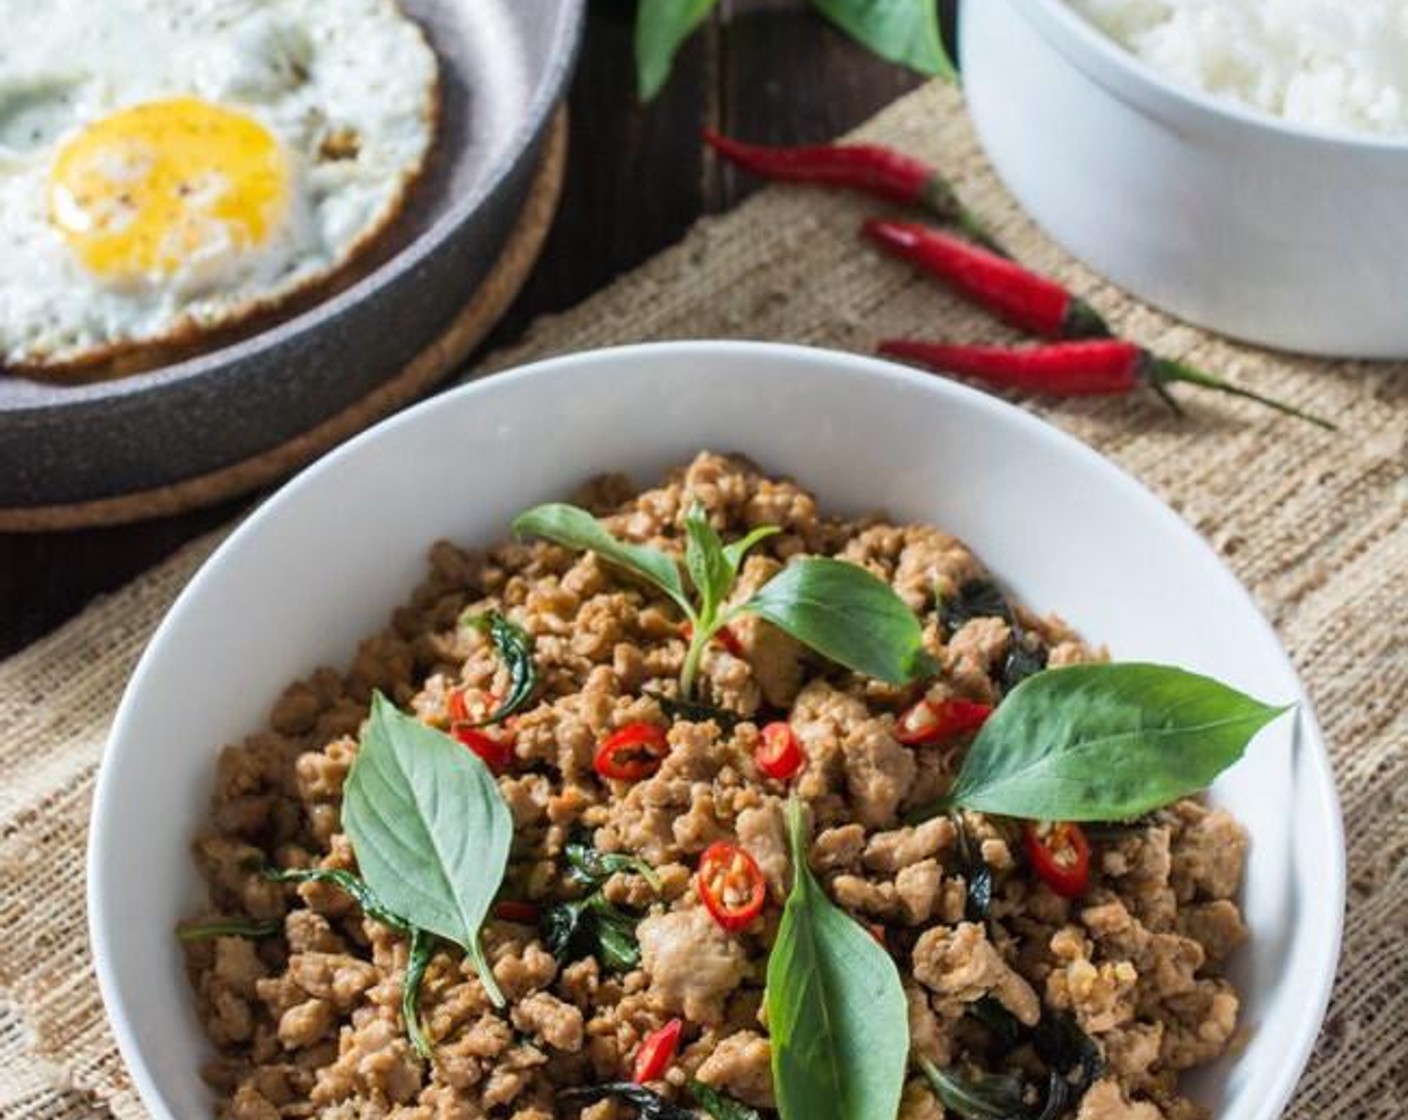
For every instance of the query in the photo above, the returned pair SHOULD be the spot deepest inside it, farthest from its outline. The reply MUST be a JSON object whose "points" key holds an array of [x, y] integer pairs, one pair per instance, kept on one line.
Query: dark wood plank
{"points": [[767, 69]]}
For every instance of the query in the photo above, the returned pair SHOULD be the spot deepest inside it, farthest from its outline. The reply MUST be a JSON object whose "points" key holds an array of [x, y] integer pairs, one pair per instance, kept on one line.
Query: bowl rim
{"points": [[1299, 1038], [550, 85], [1118, 69]]}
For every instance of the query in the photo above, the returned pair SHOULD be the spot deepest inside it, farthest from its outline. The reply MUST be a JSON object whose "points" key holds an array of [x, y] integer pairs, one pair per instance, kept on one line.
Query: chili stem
{"points": [[1164, 370]]}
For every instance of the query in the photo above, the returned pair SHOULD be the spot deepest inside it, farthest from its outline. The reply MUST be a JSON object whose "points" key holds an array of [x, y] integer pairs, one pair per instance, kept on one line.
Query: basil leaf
{"points": [[975, 598], [371, 905], [205, 931], [1105, 742], [618, 948], [903, 31], [661, 26], [515, 649], [845, 614], [591, 868], [422, 948], [1006, 1028], [430, 829], [719, 1106], [979, 1096], [592, 927], [648, 1105], [835, 1008], [692, 712], [735, 552], [1063, 1046], [708, 566], [572, 527], [977, 875]]}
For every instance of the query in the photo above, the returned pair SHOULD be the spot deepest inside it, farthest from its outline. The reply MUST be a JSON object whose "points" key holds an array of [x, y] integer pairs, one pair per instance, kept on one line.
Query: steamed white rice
{"points": [[1335, 64]]}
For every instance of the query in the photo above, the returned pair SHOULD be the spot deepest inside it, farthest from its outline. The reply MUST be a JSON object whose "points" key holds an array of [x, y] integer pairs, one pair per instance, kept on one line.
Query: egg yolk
{"points": [[165, 185]]}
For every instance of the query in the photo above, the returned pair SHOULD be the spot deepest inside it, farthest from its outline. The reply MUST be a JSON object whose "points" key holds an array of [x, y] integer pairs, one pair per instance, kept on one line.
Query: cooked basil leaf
{"points": [[692, 712], [977, 1096], [975, 598], [573, 527], [590, 867], [592, 927], [708, 567], [205, 931], [719, 1106], [515, 649], [1065, 1048], [847, 615], [648, 1105], [977, 875], [1026, 657], [836, 1011], [422, 948], [430, 829], [1006, 1028], [903, 31], [1105, 742], [371, 905], [1059, 1092]]}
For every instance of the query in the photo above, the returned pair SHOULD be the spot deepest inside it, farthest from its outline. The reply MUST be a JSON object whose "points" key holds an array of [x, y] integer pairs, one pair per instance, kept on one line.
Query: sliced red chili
{"points": [[926, 722], [457, 706], [1060, 855], [631, 752], [656, 1052], [497, 752], [731, 884], [723, 635], [516, 910], [779, 755]]}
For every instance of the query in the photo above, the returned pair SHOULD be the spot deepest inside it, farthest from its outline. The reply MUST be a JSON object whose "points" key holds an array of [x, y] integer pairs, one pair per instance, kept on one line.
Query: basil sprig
{"points": [[430, 830], [835, 1008], [902, 31], [838, 609], [515, 649], [1103, 743]]}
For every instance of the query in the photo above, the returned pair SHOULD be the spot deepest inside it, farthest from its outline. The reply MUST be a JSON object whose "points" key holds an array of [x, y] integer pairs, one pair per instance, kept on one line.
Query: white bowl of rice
{"points": [[1242, 164]]}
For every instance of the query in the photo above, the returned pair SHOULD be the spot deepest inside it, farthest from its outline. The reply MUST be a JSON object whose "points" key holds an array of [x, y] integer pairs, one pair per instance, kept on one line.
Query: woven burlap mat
{"points": [[1313, 523]]}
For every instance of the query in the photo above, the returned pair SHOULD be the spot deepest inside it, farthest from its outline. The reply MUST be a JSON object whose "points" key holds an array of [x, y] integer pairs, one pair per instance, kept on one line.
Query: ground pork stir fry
{"points": [[308, 1020]]}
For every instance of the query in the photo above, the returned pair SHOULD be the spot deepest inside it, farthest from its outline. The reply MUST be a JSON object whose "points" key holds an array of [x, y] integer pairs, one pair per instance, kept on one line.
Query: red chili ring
{"points": [[731, 884], [656, 1052], [1060, 856], [631, 752], [779, 753]]}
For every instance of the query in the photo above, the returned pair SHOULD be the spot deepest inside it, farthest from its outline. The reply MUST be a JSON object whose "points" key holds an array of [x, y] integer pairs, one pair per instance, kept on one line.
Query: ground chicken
{"points": [[692, 964]]}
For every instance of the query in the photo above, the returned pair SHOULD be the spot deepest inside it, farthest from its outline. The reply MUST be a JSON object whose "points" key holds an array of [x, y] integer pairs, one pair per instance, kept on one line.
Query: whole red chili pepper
{"points": [[1096, 367], [868, 168], [1024, 298]]}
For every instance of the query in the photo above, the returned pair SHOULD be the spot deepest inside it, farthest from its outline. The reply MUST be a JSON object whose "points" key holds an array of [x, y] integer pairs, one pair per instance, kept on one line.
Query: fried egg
{"points": [[169, 167]]}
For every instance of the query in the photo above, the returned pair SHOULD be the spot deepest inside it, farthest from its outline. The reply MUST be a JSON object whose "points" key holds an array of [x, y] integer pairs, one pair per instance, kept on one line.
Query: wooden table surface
{"points": [[767, 70]]}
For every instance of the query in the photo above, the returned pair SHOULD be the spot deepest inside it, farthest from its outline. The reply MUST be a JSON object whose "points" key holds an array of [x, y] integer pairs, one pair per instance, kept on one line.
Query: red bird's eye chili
{"points": [[514, 910], [779, 754], [1096, 367], [868, 168], [1021, 297], [926, 722], [723, 635], [631, 752], [496, 751], [731, 885], [1060, 855], [657, 1051]]}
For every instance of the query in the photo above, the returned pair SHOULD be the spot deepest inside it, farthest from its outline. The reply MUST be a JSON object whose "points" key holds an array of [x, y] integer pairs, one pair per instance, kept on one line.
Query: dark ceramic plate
{"points": [[504, 65]]}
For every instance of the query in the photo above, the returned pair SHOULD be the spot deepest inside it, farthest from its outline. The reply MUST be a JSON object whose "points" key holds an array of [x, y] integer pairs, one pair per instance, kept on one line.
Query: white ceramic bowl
{"points": [[323, 562], [1229, 218]]}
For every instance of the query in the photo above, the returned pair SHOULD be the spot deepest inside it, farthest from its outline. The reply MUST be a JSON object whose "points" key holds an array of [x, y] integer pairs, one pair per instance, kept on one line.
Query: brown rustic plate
{"points": [[504, 67]]}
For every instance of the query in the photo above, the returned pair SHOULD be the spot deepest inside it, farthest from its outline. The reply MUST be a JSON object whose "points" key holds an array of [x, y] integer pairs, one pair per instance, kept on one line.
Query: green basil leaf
{"points": [[709, 568], [592, 927], [590, 867], [661, 27], [618, 948], [371, 905], [205, 931], [422, 948], [572, 527], [719, 1106], [903, 31], [735, 552], [977, 1096], [835, 1008], [515, 649], [1105, 742], [430, 829], [648, 1105], [845, 614]]}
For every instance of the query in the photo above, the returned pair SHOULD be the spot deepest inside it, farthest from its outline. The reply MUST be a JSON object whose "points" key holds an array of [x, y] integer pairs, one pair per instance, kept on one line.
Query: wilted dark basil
{"points": [[691, 712], [719, 1106], [648, 1105], [591, 868], [592, 927], [234, 927], [372, 906], [978, 1096], [515, 650], [421, 949]]}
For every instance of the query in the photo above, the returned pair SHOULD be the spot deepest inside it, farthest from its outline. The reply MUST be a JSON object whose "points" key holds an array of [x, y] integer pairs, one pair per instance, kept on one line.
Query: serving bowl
{"points": [[504, 66], [1229, 218], [275, 601]]}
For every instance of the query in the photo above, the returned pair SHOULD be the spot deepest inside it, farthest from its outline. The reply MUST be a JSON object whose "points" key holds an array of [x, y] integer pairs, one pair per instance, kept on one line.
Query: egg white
{"points": [[347, 87]]}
